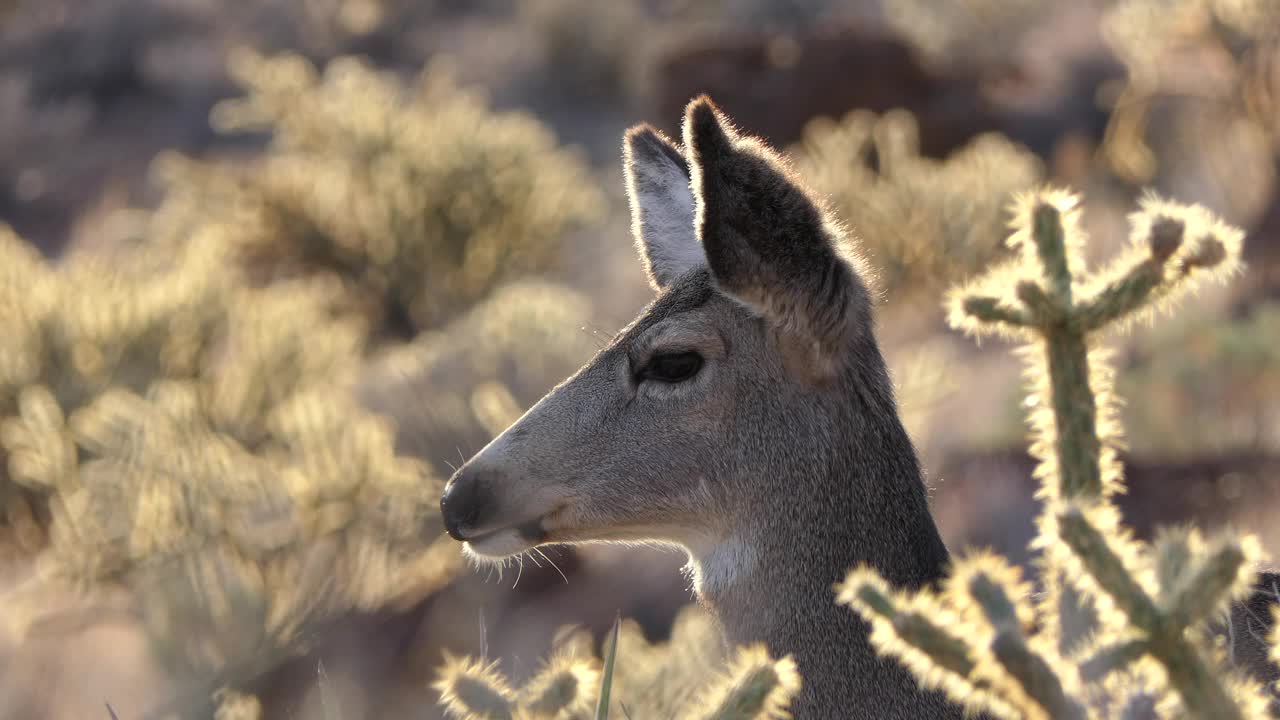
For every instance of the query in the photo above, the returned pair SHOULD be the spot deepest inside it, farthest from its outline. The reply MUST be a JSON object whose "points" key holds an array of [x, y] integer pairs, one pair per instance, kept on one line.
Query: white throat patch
{"points": [[720, 566]]}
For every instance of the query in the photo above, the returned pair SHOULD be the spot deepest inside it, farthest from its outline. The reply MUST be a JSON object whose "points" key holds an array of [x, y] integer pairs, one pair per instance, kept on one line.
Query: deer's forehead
{"points": [[692, 291]]}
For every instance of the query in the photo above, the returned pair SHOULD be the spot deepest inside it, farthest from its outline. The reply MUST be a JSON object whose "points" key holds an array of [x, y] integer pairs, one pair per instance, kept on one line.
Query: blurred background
{"points": [[270, 269]]}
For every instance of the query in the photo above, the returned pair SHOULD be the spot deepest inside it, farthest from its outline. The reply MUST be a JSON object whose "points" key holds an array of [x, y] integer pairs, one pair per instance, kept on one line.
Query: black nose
{"points": [[462, 503]]}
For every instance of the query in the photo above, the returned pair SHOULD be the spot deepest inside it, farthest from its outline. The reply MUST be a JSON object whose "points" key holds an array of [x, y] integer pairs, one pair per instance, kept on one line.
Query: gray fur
{"points": [[769, 243]]}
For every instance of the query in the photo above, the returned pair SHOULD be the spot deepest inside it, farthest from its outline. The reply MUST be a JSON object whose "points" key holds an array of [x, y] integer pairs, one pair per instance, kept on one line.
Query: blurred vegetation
{"points": [[1202, 96], [481, 371], [419, 203], [593, 48], [1221, 378], [923, 223], [189, 437], [564, 688], [178, 405], [965, 32], [685, 677]]}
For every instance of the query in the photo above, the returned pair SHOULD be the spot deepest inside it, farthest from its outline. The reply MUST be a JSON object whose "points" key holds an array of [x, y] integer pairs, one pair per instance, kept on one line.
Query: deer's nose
{"points": [[464, 503]]}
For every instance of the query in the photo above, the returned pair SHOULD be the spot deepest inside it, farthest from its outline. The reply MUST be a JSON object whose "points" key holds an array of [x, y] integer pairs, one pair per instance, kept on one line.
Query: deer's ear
{"points": [[767, 242], [661, 205]]}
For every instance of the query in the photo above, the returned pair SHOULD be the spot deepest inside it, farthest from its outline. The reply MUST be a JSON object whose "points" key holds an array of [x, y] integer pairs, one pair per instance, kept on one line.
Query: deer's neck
{"points": [[770, 583]]}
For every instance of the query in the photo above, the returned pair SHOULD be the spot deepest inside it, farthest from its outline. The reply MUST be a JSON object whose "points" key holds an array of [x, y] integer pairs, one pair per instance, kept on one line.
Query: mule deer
{"points": [[746, 416]]}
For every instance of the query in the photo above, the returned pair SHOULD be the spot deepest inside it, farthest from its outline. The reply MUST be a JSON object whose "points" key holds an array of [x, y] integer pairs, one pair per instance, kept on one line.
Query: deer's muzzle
{"points": [[473, 514], [462, 504]]}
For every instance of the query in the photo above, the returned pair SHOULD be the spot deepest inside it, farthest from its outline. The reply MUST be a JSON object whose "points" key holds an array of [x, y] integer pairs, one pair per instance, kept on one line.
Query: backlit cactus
{"points": [[181, 415], [682, 678], [419, 200], [565, 687], [924, 223], [1121, 626]]}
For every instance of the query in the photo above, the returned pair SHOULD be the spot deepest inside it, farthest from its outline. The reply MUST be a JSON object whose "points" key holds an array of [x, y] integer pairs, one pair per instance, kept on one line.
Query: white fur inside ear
{"points": [[662, 213]]}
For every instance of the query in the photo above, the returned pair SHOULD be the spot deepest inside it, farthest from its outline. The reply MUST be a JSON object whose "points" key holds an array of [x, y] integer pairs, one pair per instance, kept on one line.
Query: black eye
{"points": [[672, 367]]}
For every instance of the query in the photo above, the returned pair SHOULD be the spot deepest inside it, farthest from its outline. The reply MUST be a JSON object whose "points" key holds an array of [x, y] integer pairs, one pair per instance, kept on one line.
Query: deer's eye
{"points": [[672, 367]]}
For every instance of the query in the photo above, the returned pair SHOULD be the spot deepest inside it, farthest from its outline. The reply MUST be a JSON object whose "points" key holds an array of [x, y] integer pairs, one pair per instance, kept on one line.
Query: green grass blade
{"points": [[606, 678]]}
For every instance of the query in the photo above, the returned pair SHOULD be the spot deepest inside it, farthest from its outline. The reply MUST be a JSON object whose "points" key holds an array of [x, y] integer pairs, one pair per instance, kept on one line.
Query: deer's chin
{"points": [[508, 541], [499, 545]]}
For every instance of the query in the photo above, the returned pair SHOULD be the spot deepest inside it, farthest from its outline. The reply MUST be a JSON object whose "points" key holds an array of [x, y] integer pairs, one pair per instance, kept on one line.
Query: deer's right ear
{"points": [[662, 207]]}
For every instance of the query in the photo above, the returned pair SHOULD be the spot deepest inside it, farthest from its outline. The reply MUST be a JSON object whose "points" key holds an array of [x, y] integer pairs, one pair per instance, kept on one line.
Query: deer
{"points": [[745, 417]]}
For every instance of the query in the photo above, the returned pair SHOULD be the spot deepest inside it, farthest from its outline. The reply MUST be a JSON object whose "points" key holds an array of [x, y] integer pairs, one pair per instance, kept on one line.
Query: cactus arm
{"points": [[1207, 587], [989, 310], [1075, 415], [1112, 657], [1105, 568], [1189, 673], [1203, 693], [1031, 671], [1139, 285], [1050, 243], [947, 651], [1120, 297]]}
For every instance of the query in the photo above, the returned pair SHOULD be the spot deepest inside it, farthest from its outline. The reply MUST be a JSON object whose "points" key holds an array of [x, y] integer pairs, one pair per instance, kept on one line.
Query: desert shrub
{"points": [[77, 330], [317, 28], [452, 389], [178, 406], [419, 203], [689, 676], [169, 429], [922, 222], [1121, 627]]}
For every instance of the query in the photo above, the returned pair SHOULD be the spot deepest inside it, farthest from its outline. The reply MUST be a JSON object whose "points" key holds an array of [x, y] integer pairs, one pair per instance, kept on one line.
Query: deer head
{"points": [[751, 376]]}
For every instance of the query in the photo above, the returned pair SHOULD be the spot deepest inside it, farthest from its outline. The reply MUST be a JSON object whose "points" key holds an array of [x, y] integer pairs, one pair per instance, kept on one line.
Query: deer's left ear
{"points": [[768, 243], [661, 205]]}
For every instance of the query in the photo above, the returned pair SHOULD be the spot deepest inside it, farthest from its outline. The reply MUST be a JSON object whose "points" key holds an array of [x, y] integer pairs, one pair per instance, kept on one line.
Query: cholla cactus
{"points": [[666, 679], [420, 203], [755, 687], [186, 426], [196, 440], [193, 439], [76, 331], [1122, 626], [565, 687], [674, 679], [478, 370], [923, 222]]}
